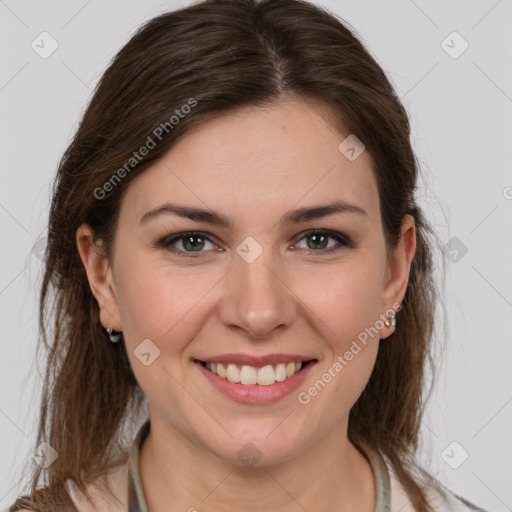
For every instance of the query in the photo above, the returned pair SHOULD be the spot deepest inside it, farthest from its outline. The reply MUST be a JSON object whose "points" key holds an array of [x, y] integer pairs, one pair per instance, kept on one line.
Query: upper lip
{"points": [[257, 361]]}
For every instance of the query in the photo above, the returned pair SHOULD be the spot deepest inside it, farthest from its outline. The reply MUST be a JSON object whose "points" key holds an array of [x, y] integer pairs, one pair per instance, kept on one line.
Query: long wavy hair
{"points": [[222, 54]]}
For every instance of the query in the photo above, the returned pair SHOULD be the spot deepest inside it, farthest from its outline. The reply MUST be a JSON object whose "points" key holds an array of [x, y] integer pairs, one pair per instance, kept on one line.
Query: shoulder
{"points": [[53, 498], [117, 479], [439, 496]]}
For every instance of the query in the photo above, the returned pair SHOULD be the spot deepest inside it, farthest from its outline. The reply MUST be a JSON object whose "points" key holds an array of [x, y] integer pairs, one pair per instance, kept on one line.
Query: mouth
{"points": [[247, 375]]}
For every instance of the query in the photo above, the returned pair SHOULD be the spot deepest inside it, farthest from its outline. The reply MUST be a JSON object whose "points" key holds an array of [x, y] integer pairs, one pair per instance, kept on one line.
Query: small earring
{"points": [[391, 322], [114, 336]]}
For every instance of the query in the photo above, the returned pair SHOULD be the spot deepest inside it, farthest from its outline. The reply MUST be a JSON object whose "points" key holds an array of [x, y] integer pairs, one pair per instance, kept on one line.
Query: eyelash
{"points": [[166, 242]]}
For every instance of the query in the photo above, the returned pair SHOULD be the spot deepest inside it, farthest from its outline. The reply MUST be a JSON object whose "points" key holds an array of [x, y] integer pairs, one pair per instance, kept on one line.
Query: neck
{"points": [[329, 475]]}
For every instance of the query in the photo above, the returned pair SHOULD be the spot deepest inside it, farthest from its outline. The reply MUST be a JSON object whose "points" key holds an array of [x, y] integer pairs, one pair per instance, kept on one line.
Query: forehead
{"points": [[257, 161]]}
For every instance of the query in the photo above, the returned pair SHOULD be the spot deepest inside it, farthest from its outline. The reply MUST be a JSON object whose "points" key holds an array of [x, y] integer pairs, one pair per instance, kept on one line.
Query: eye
{"points": [[193, 243], [187, 243], [317, 241]]}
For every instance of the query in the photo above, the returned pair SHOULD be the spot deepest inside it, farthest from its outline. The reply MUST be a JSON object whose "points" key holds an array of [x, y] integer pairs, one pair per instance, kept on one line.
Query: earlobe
{"points": [[99, 274]]}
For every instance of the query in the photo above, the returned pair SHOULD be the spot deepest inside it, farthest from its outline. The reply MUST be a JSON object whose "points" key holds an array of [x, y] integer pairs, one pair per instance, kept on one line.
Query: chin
{"points": [[258, 451]]}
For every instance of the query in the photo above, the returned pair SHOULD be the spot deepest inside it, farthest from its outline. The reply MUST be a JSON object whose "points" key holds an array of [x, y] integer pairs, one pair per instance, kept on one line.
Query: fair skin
{"points": [[252, 167]]}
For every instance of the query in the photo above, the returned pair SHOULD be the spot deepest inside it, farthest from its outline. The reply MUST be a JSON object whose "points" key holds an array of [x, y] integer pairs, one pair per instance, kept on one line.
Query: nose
{"points": [[257, 300]]}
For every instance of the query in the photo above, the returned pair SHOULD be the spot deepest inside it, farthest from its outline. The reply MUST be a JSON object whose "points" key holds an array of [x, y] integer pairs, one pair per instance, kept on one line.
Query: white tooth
{"points": [[280, 372], [290, 369], [233, 373], [221, 370], [266, 375], [248, 375]]}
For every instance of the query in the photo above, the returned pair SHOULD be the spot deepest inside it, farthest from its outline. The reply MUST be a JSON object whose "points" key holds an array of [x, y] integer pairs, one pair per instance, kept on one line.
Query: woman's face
{"points": [[255, 286]]}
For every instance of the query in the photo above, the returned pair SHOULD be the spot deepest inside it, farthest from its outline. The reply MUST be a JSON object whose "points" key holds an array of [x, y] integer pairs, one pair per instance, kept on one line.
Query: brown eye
{"points": [[193, 243], [188, 243], [320, 241], [317, 241]]}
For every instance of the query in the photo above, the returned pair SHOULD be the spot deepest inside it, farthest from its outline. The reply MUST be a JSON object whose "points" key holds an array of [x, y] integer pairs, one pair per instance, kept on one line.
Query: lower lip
{"points": [[256, 394]]}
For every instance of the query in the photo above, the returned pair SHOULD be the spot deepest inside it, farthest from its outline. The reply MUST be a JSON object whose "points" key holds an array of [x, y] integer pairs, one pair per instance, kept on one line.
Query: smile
{"points": [[261, 384]]}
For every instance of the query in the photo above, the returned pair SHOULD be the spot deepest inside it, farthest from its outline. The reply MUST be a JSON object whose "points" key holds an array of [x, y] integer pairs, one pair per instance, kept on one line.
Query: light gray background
{"points": [[461, 113]]}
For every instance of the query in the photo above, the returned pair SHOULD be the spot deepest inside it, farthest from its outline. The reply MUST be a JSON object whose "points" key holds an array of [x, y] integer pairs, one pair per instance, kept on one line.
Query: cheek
{"points": [[345, 305], [345, 301], [155, 302], [169, 309]]}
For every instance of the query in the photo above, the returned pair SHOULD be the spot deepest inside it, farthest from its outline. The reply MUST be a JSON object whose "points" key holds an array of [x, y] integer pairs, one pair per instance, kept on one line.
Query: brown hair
{"points": [[218, 55]]}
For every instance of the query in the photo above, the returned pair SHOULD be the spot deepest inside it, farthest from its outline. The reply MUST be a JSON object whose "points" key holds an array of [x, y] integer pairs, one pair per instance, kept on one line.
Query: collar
{"points": [[137, 501]]}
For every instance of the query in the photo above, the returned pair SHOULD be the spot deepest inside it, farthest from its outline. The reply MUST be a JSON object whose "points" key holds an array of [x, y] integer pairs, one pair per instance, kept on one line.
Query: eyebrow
{"points": [[296, 216]]}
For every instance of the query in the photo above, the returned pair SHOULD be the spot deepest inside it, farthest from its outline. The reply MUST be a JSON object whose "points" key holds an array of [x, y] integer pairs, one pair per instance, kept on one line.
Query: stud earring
{"points": [[114, 336], [391, 321]]}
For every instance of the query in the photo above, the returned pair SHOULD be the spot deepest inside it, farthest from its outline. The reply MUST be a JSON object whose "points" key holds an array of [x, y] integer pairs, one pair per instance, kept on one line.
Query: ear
{"points": [[99, 275], [399, 266]]}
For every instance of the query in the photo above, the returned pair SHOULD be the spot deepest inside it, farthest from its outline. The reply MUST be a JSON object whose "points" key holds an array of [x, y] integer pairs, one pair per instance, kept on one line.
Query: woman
{"points": [[235, 244]]}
